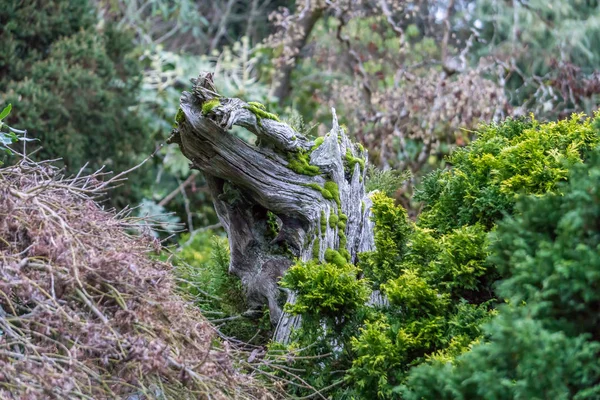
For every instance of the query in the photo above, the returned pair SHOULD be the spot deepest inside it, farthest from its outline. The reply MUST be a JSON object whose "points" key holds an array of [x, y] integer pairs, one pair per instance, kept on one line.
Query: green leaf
{"points": [[5, 112]]}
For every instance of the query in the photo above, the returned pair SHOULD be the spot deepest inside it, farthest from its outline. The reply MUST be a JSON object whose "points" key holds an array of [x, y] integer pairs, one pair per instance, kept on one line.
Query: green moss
{"points": [[299, 162], [345, 253], [323, 223], [326, 193], [333, 188], [341, 225], [316, 247], [333, 219], [260, 111], [334, 257], [257, 105], [208, 105], [343, 217], [360, 147], [180, 116], [314, 186], [362, 207], [352, 161], [294, 137], [318, 141], [343, 239]]}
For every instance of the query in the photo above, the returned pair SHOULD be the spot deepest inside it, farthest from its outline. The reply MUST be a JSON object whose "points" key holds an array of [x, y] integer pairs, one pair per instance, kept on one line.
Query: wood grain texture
{"points": [[247, 181]]}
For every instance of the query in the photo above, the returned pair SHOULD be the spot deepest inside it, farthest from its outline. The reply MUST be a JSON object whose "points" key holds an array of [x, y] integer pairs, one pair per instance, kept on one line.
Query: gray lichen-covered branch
{"points": [[286, 198]]}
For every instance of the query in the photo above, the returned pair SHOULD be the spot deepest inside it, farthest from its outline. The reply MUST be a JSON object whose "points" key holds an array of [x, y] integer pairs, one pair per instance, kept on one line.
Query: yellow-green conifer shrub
{"points": [[545, 341], [326, 290], [515, 157], [436, 273]]}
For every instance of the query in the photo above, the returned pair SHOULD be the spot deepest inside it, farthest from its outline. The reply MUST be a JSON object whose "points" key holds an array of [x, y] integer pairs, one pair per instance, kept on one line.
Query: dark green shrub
{"points": [[523, 361], [546, 341], [73, 86], [28, 29]]}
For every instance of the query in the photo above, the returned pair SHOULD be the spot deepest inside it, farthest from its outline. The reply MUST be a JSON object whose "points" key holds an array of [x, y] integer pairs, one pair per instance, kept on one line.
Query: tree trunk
{"points": [[274, 207], [293, 43]]}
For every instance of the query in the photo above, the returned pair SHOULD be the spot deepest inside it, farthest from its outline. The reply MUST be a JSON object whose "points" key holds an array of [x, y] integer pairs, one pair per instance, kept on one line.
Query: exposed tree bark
{"points": [[249, 184]]}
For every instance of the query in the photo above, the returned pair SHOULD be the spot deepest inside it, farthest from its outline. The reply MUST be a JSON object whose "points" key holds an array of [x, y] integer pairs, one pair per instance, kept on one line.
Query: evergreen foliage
{"points": [[545, 343], [532, 34], [387, 182], [325, 290], [73, 86], [515, 157], [391, 232], [439, 278]]}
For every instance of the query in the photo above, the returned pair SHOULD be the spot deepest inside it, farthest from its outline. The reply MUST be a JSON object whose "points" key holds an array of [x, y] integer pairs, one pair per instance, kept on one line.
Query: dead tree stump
{"points": [[287, 198]]}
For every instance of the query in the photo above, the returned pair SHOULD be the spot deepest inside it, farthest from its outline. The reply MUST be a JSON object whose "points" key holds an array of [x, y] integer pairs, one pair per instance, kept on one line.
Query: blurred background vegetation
{"points": [[98, 83]]}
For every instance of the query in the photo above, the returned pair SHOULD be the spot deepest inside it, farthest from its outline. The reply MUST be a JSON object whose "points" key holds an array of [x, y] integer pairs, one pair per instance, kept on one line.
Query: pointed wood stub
{"points": [[253, 189]]}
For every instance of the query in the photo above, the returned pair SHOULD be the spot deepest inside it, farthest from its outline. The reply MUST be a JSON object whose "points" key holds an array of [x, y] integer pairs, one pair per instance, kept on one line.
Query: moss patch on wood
{"points": [[346, 254], [343, 239], [318, 141], [299, 162], [333, 220], [333, 188], [260, 111], [316, 248], [326, 193], [209, 105], [334, 257], [352, 161]]}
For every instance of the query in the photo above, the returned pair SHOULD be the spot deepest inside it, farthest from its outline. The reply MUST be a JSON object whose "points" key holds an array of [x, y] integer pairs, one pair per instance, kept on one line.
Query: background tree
{"points": [[413, 78], [74, 86], [548, 51]]}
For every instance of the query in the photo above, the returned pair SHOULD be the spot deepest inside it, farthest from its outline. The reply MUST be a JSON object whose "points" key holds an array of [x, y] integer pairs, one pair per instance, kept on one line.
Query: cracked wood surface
{"points": [[248, 181]]}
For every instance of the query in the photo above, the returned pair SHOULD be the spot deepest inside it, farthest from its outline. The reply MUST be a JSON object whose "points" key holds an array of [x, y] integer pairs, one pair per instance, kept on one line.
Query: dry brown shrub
{"points": [[87, 312]]}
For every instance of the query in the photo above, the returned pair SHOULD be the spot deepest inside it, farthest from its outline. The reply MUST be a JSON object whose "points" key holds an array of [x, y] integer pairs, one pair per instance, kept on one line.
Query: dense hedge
{"points": [[439, 274], [545, 343]]}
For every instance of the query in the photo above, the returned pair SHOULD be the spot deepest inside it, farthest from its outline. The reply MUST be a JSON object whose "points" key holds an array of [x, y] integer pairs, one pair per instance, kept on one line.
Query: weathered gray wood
{"points": [[247, 181]]}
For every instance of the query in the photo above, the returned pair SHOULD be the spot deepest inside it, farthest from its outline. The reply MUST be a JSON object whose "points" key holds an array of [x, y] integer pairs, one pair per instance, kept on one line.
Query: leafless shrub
{"points": [[86, 311]]}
